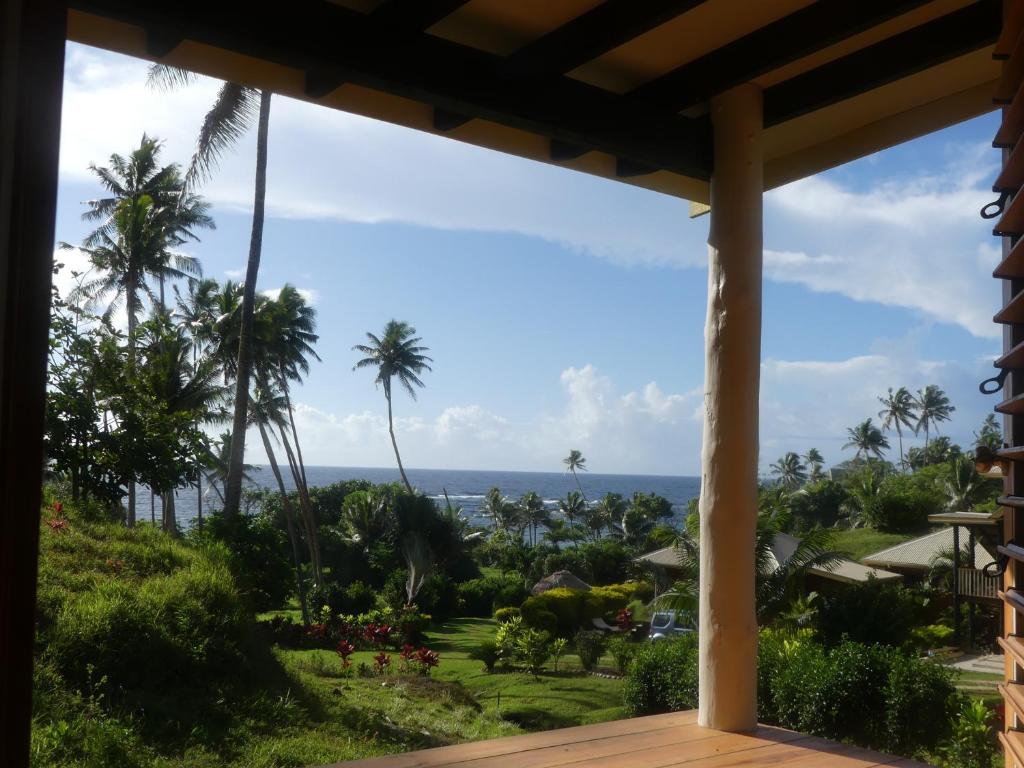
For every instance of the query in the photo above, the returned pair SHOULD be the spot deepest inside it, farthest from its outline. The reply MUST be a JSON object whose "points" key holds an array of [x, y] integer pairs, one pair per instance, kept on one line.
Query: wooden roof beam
{"points": [[948, 37], [418, 15], [334, 42], [594, 33], [803, 32]]}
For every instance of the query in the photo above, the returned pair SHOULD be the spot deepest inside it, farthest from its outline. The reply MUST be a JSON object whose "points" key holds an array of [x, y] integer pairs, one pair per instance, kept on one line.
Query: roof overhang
{"points": [[618, 89]]}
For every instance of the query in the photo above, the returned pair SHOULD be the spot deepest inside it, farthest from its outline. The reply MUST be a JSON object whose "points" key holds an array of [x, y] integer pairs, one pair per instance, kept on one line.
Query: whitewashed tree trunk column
{"points": [[732, 338]]}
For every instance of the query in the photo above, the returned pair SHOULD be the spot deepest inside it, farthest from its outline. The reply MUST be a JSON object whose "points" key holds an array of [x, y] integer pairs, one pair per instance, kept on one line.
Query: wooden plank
{"points": [[1014, 647], [1012, 75], [1013, 406], [331, 40], [1013, 25], [1013, 598], [1014, 311], [1012, 551], [439, 756], [1013, 742], [1012, 175], [1012, 125], [592, 34], [1013, 695], [955, 34], [1012, 359], [416, 15], [799, 34], [809, 752], [1017, 502], [1015, 453]]}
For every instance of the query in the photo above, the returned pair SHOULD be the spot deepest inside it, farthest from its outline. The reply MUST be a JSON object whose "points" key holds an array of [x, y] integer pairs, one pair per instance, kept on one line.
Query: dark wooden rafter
{"points": [[902, 55], [592, 34], [159, 43], [334, 42], [418, 15], [803, 32]]}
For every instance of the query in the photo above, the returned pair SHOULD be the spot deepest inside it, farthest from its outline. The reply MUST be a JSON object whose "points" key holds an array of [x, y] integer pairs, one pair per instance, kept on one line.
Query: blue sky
{"points": [[565, 311]]}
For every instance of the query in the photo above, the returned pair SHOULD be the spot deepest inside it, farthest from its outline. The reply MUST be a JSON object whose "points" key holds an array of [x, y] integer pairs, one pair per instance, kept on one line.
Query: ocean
{"points": [[466, 488]]}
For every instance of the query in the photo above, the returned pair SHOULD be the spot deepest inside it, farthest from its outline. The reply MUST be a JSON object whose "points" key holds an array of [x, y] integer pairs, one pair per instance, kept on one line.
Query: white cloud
{"points": [[311, 296], [916, 243], [235, 274]]}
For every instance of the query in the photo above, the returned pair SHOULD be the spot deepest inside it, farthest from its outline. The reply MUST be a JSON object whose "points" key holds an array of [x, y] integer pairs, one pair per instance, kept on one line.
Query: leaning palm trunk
{"points": [[170, 522], [289, 516], [233, 486], [394, 443], [308, 518], [580, 487], [286, 390]]}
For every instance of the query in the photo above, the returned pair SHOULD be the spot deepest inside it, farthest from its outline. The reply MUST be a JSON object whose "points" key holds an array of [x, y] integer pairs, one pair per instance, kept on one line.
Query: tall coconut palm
{"points": [[815, 461], [964, 487], [505, 515], [235, 111], [867, 439], [574, 463], [534, 513], [898, 411], [395, 353], [145, 216], [573, 507], [266, 409], [933, 407], [790, 471]]}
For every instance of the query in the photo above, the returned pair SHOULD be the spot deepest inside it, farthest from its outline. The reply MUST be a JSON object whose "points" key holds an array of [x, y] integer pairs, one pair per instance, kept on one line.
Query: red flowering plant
{"points": [[58, 522], [425, 660], [381, 663], [378, 634], [345, 649]]}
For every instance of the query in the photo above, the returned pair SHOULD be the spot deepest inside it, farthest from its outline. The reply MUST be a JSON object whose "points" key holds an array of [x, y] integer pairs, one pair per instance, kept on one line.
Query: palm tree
{"points": [[790, 471], [863, 496], [575, 462], [990, 435], [933, 407], [534, 513], [233, 113], [898, 412], [815, 461], [573, 507], [867, 439], [147, 214], [395, 353], [266, 408], [964, 487], [183, 386], [776, 583], [364, 517], [612, 508], [505, 515]]}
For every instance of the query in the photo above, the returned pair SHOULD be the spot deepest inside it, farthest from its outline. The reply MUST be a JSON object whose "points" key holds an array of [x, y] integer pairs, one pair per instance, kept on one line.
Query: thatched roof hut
{"points": [[557, 580]]}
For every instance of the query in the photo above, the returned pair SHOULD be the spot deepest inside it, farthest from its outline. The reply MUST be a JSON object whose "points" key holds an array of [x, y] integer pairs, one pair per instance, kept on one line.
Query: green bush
{"points": [[818, 504], [873, 612], [590, 647], [503, 615], [507, 637], [344, 599], [573, 609], [973, 743], [481, 597], [533, 648], [662, 677], [439, 597], [903, 505], [487, 652], [623, 650]]}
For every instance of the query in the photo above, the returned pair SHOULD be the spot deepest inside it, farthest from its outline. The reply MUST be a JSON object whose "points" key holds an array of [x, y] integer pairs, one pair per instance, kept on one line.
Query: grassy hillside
{"points": [[859, 542], [147, 656]]}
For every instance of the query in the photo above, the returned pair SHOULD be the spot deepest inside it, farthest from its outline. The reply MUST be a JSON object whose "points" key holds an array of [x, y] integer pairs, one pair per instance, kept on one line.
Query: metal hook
{"points": [[995, 208], [997, 381], [997, 567]]}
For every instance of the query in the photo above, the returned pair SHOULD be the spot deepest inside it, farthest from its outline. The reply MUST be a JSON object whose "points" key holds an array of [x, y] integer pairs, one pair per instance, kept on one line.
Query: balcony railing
{"points": [[974, 583]]}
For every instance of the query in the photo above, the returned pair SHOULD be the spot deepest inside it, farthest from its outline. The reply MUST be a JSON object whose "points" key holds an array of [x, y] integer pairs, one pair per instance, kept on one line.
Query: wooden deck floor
{"points": [[660, 741]]}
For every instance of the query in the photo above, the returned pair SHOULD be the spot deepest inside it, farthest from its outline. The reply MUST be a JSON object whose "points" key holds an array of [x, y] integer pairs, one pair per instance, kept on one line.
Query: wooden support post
{"points": [[32, 34], [956, 585], [728, 499]]}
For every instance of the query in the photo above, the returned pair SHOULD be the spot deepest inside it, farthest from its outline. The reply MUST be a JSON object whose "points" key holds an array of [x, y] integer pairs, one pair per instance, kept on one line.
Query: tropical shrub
{"points": [[507, 637], [533, 648], [573, 609], [662, 677], [439, 597], [873, 612], [817, 504], [486, 652], [623, 651], [903, 505], [502, 615], [344, 599], [590, 646], [482, 597], [973, 743]]}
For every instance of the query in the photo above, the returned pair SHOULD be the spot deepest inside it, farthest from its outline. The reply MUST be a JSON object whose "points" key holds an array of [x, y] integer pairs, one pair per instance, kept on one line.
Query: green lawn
{"points": [[858, 542], [344, 718]]}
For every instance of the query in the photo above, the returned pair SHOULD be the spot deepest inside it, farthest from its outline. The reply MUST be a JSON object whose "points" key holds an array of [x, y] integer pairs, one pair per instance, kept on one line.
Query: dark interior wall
{"points": [[32, 36]]}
